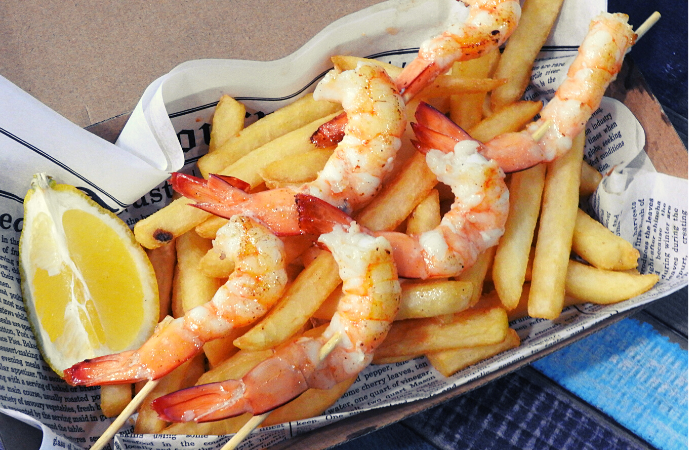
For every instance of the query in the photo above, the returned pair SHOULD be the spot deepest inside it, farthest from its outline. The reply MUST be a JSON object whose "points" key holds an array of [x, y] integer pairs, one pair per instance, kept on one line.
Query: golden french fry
{"points": [[303, 296], [477, 273], [182, 377], [556, 230], [163, 260], [168, 223], [590, 179], [448, 362], [228, 120], [296, 169], [193, 287], [114, 398], [448, 85], [284, 120], [296, 142], [347, 62], [425, 216], [419, 298], [600, 247], [603, 287], [214, 266], [468, 328], [466, 110], [209, 227], [510, 261], [510, 118], [536, 21], [179, 216], [400, 196]]}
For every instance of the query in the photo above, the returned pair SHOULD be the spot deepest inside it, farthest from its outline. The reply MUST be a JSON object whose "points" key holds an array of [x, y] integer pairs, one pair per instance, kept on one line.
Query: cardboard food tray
{"points": [[669, 156]]}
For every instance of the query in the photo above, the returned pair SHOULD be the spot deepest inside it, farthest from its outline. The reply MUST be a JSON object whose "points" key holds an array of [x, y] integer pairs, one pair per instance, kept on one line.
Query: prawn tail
{"points": [[204, 403], [214, 195], [418, 74], [108, 369], [330, 133], [317, 216], [434, 130]]}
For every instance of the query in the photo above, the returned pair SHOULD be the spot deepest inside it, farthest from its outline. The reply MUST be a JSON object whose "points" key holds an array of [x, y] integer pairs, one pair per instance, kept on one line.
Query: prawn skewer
{"points": [[365, 313], [353, 174], [257, 282], [597, 64], [488, 25], [474, 223]]}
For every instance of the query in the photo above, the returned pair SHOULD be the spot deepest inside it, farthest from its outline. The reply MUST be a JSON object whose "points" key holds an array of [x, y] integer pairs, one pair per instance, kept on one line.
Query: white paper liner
{"points": [[647, 208]]}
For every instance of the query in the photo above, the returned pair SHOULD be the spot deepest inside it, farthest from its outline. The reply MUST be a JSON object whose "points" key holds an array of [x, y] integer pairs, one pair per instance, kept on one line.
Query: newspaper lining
{"points": [[647, 208]]}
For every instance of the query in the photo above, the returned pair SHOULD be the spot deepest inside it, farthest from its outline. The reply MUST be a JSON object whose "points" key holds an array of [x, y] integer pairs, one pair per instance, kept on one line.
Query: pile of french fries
{"points": [[551, 255]]}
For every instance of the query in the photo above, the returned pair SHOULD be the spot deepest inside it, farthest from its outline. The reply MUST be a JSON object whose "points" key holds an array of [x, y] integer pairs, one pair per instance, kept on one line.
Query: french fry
{"points": [[400, 196], [536, 21], [296, 169], [466, 110], [284, 120], [169, 222], [303, 296], [512, 254], [449, 362], [604, 287], [425, 216], [182, 377], [419, 298], [600, 247], [228, 120], [556, 230], [510, 118], [448, 85], [476, 274], [209, 227], [468, 328], [163, 261], [590, 179], [114, 398]]}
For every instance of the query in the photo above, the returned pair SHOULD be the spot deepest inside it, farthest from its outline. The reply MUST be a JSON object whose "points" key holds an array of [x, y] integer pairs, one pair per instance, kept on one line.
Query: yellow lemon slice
{"points": [[88, 286]]}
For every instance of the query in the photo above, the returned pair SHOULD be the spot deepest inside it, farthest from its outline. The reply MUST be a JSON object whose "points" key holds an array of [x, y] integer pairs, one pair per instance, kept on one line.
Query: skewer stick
{"points": [[539, 133], [255, 421], [133, 404], [643, 28], [124, 415]]}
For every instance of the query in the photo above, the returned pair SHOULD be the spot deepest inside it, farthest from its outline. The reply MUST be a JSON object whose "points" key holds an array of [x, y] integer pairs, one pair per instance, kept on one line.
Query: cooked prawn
{"points": [[353, 174], [257, 282], [489, 24], [475, 222], [370, 301], [597, 64]]}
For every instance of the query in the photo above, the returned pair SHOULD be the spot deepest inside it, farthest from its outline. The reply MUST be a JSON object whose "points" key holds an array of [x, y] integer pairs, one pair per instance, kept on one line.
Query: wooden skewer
{"points": [[121, 418], [132, 406], [255, 421], [643, 28], [539, 133]]}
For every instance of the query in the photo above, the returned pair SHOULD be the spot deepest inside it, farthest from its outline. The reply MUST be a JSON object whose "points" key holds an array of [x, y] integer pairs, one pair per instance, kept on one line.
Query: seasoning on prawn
{"points": [[371, 294]]}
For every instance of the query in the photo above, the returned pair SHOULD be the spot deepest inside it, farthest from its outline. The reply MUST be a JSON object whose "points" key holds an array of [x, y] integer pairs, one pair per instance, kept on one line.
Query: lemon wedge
{"points": [[89, 289]]}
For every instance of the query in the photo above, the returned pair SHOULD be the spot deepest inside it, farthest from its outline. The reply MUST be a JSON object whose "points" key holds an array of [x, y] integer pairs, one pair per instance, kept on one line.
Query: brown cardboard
{"points": [[91, 61]]}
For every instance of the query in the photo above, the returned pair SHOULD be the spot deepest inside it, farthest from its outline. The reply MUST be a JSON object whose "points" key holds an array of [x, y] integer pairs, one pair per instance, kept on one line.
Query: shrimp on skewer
{"points": [[474, 223], [353, 174], [489, 24], [598, 61], [370, 302], [257, 282]]}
